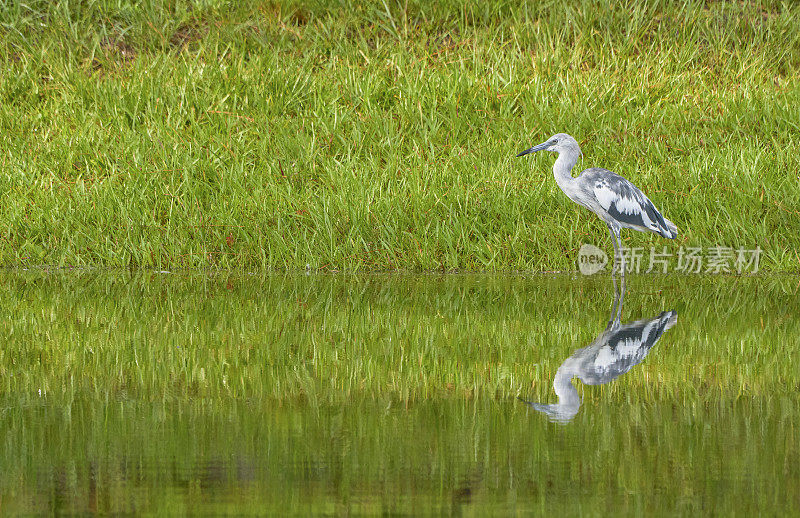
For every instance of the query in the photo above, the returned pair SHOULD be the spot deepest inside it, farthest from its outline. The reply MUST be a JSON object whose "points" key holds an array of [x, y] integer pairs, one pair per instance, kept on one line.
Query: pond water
{"points": [[401, 394]]}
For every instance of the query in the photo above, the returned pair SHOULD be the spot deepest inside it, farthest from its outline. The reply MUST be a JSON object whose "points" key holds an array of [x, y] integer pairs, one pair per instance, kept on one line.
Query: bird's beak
{"points": [[534, 149]]}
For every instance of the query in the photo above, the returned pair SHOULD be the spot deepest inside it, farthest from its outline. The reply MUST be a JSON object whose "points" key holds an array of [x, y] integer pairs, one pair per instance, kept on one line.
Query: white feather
{"points": [[605, 196]]}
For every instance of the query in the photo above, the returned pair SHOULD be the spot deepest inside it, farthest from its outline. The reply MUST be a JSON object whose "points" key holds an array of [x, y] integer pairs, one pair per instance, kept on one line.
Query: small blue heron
{"points": [[616, 351], [614, 199]]}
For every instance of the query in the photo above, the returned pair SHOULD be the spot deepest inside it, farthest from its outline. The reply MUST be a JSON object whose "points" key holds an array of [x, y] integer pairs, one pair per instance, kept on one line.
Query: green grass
{"points": [[380, 136]]}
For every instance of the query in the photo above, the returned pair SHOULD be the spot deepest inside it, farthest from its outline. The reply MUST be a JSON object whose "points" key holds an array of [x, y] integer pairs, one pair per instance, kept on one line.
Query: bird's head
{"points": [[558, 143]]}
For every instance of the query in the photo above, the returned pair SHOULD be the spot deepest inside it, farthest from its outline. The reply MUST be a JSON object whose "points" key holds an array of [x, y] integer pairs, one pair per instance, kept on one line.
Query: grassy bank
{"points": [[370, 136]]}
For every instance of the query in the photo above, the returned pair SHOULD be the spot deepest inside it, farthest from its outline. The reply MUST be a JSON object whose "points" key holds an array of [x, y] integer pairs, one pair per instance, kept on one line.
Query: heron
{"points": [[618, 349], [615, 200]]}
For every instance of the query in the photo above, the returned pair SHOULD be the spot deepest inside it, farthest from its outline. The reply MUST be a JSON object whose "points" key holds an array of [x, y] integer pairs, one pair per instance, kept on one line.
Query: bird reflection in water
{"points": [[613, 353]]}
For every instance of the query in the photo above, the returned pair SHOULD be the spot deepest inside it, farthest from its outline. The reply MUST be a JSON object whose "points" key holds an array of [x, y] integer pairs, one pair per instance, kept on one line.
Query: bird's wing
{"points": [[629, 345], [626, 203]]}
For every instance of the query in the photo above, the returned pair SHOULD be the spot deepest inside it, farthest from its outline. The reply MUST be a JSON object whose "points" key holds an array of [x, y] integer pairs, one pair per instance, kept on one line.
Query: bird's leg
{"points": [[616, 253], [618, 316], [619, 297], [614, 305], [618, 242], [621, 269]]}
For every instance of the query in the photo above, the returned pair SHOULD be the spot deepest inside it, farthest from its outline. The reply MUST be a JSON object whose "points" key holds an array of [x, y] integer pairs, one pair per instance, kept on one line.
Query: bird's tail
{"points": [[671, 232]]}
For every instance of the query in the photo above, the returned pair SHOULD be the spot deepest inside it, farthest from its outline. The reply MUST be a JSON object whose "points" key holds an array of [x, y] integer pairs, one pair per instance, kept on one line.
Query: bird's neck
{"points": [[562, 169], [565, 390]]}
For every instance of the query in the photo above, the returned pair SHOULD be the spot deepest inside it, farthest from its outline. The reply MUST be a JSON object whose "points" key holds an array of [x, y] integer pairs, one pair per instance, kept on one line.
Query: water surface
{"points": [[399, 394]]}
